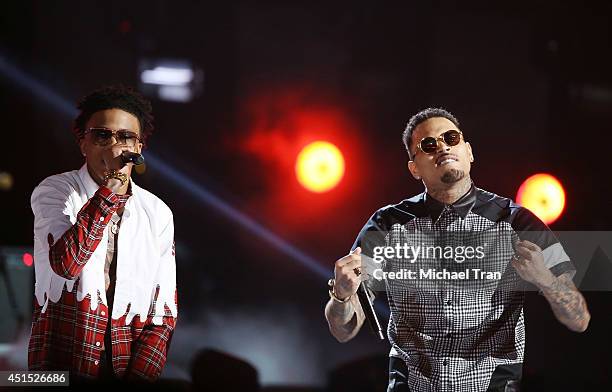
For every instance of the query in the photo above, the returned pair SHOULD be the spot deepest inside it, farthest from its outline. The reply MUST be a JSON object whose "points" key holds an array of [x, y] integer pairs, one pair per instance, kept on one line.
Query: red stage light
{"points": [[27, 259], [544, 195], [319, 167]]}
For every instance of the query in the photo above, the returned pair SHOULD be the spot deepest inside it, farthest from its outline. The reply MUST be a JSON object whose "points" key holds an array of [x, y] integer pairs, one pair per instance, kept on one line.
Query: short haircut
{"points": [[420, 117], [115, 97]]}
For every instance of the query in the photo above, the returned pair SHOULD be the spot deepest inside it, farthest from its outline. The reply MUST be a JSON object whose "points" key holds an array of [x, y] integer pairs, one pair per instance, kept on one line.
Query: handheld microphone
{"points": [[132, 157], [368, 309]]}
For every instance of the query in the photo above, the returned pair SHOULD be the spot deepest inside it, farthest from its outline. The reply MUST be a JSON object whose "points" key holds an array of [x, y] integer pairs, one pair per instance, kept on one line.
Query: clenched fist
{"points": [[529, 264], [347, 274], [111, 157]]}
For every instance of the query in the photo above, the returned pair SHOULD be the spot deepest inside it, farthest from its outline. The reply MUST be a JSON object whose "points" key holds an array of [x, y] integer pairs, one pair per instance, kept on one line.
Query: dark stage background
{"points": [[531, 85]]}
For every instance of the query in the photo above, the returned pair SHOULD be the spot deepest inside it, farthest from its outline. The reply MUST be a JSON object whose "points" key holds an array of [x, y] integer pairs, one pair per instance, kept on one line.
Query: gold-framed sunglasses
{"points": [[103, 136], [429, 144]]}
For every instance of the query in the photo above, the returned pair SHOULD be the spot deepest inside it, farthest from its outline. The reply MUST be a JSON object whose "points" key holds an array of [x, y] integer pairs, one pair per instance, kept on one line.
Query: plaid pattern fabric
{"points": [[70, 253], [69, 335], [453, 334]]}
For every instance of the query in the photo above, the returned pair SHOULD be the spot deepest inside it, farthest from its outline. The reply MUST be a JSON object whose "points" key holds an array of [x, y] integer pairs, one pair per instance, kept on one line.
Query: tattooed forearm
{"points": [[567, 303], [344, 320]]}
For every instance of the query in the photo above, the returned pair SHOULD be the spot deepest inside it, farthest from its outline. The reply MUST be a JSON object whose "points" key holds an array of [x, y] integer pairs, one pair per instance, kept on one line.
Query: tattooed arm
{"points": [[567, 303], [345, 318]]}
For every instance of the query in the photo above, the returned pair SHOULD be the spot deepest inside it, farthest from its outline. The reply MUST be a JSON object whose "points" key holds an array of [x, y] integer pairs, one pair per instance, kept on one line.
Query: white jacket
{"points": [[145, 247]]}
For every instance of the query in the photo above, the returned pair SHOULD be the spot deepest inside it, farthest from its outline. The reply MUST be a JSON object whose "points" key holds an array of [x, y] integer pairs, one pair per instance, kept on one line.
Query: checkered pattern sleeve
{"points": [[69, 254], [150, 350]]}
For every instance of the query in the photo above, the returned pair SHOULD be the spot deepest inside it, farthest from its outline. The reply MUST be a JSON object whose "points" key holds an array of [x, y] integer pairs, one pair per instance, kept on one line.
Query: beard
{"points": [[452, 175]]}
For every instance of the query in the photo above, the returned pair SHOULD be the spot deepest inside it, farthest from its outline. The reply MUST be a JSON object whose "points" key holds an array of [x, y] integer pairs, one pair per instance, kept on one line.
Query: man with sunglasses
{"points": [[453, 334], [105, 302]]}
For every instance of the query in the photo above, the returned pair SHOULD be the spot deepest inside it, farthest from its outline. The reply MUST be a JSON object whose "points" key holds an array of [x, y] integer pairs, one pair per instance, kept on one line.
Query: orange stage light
{"points": [[319, 167], [543, 194]]}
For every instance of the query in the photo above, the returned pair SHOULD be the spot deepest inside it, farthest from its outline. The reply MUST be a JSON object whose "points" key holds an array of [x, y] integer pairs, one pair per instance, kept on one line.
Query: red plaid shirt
{"points": [[69, 335]]}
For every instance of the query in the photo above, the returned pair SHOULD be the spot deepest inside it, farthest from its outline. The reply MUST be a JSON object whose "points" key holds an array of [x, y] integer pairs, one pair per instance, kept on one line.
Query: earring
{"points": [[417, 177]]}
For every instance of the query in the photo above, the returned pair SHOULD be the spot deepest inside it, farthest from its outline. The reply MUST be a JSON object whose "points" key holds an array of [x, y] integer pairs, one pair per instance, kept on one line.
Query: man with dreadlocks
{"points": [[105, 302]]}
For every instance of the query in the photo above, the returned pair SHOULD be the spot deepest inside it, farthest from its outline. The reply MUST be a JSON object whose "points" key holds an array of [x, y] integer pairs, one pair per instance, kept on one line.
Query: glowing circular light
{"points": [[27, 259], [543, 194], [319, 166]]}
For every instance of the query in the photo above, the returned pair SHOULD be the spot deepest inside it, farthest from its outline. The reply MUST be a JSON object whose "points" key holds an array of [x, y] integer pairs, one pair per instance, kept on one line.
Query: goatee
{"points": [[452, 175]]}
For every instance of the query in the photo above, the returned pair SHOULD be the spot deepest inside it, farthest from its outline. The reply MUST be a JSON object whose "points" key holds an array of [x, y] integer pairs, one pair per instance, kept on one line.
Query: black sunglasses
{"points": [[103, 136], [429, 144]]}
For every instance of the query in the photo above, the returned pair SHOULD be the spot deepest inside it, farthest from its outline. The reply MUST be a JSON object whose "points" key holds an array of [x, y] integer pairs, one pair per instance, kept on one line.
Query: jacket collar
{"points": [[90, 185]]}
